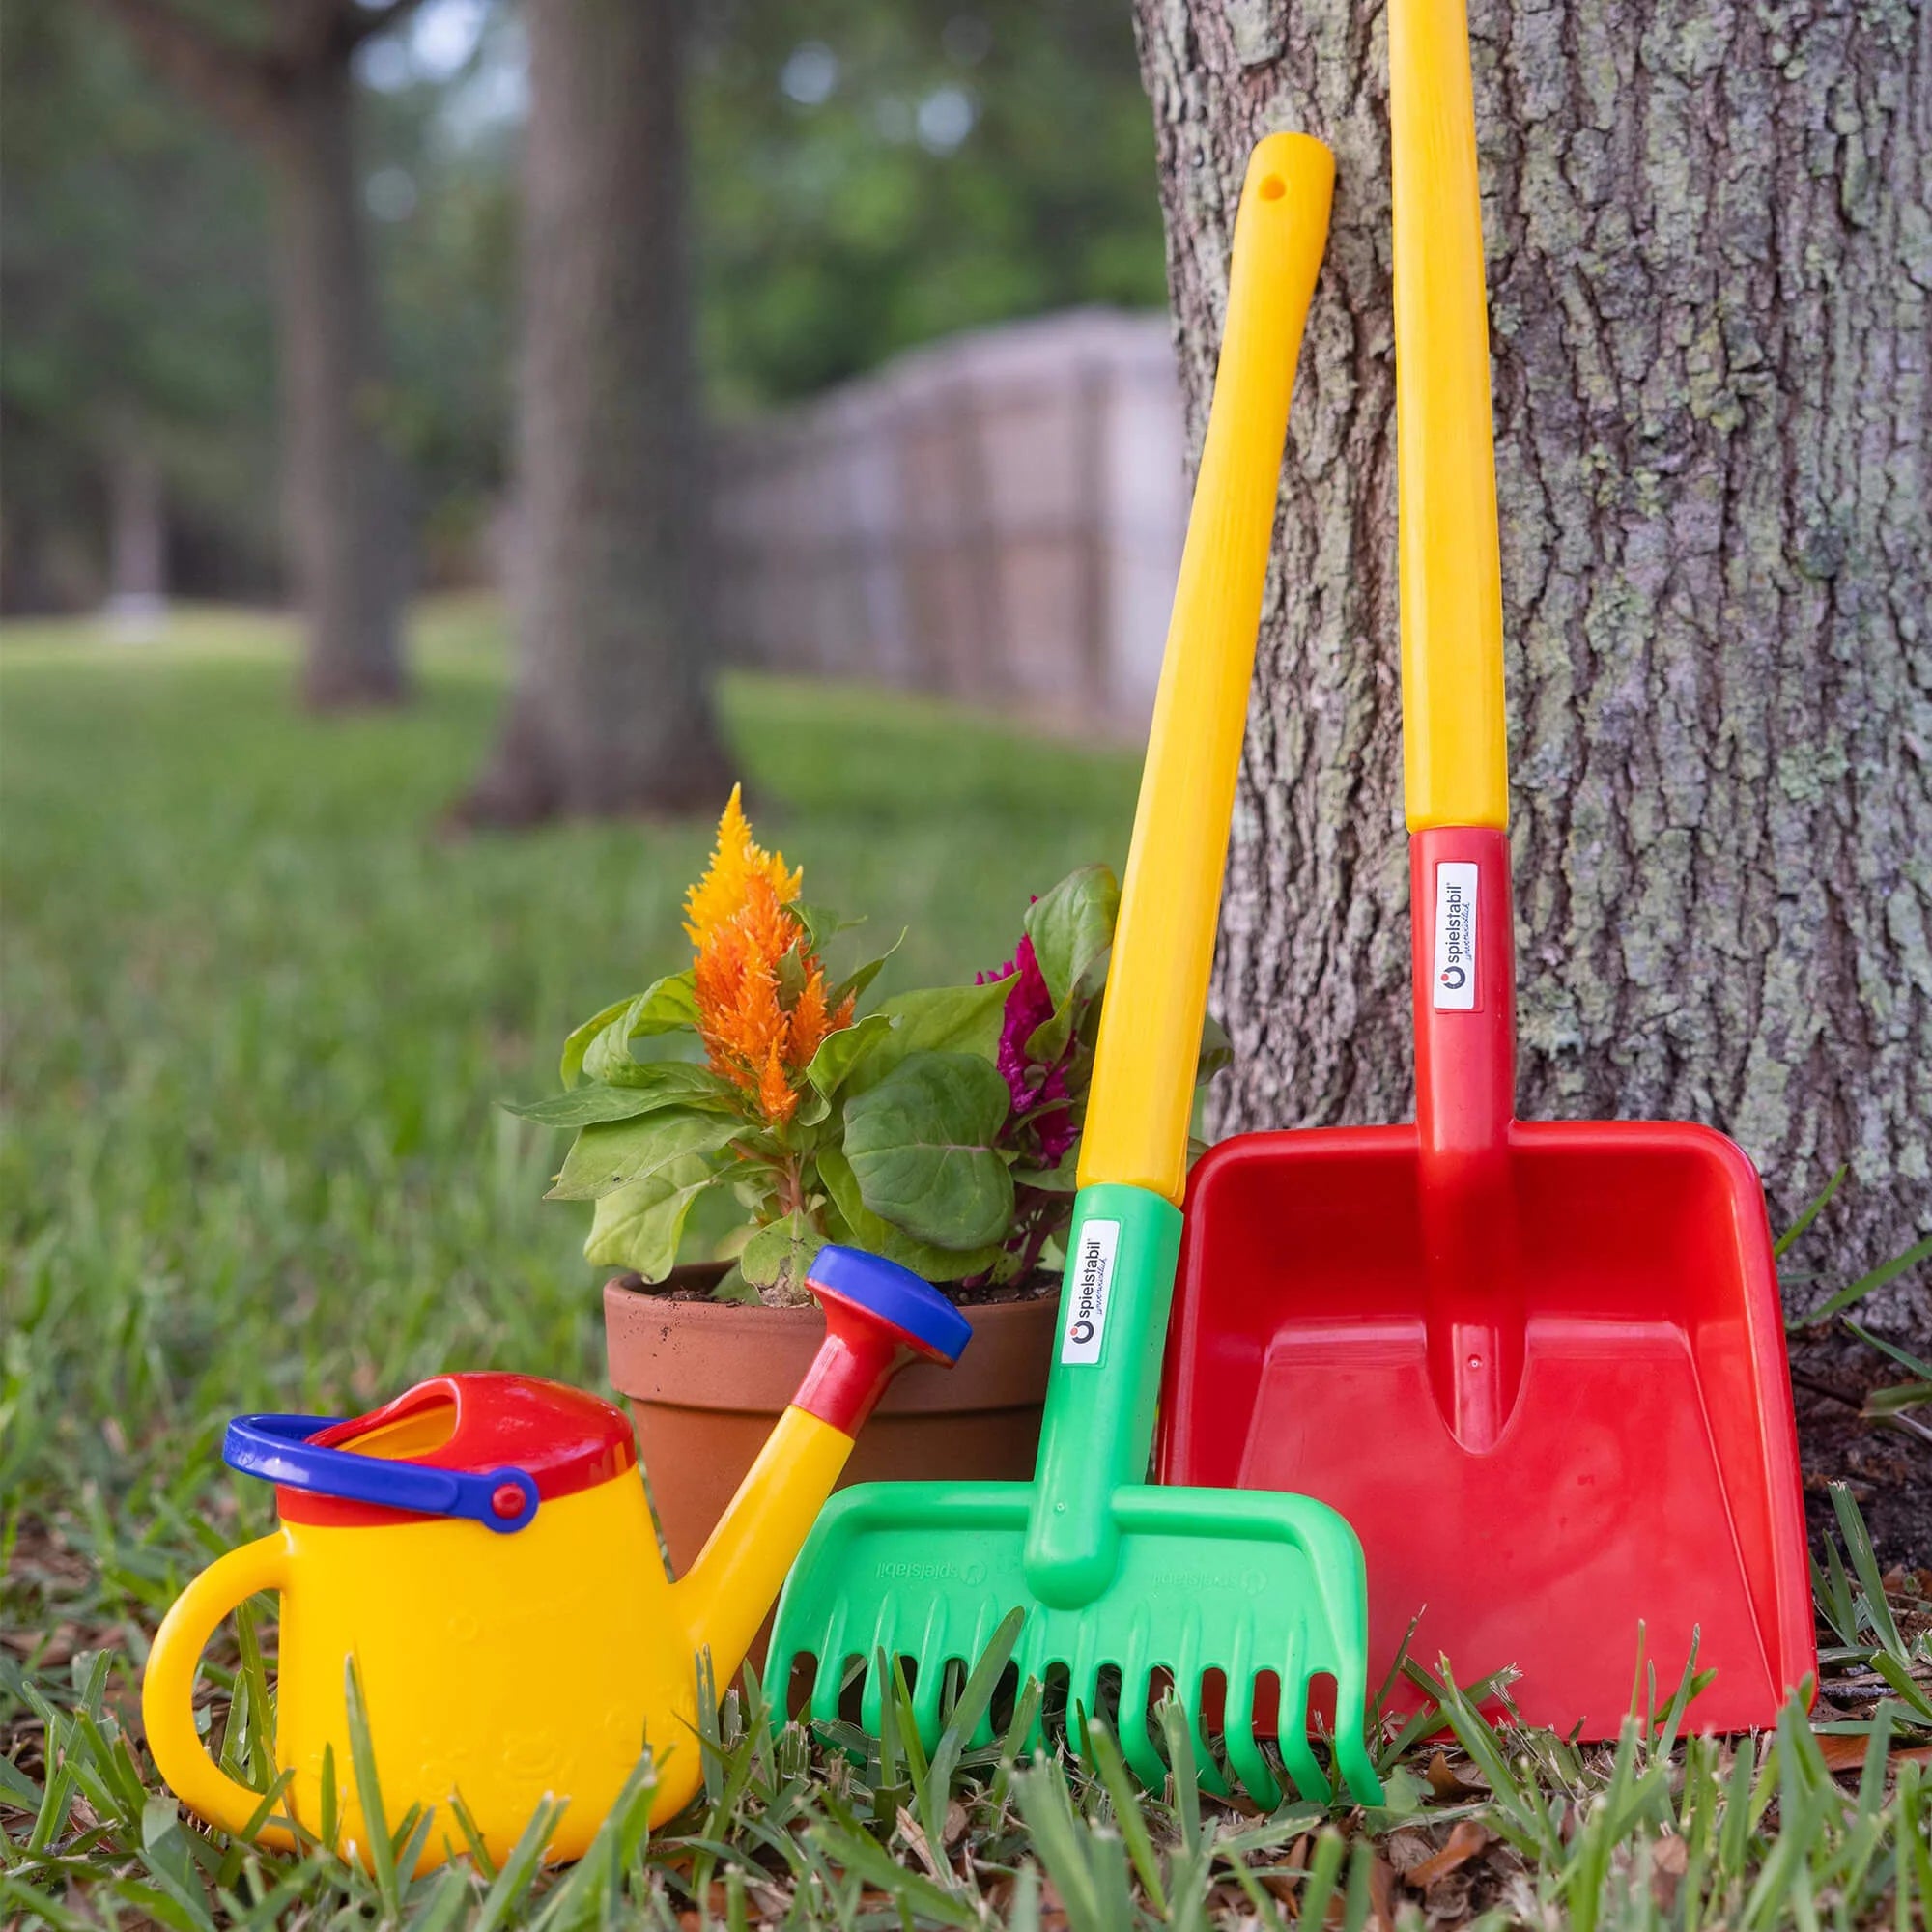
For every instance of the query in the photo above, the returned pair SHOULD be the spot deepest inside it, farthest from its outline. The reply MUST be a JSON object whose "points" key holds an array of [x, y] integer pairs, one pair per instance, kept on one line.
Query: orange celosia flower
{"points": [[775, 1090], [750, 1035], [736, 860]]}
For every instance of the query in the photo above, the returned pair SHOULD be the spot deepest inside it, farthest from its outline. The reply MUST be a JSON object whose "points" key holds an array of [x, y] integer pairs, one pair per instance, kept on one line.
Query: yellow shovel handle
{"points": [[168, 1688], [1455, 756], [1142, 1090]]}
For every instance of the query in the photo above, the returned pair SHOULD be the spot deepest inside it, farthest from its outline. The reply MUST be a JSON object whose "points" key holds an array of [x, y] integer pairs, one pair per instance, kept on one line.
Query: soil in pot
{"points": [[706, 1381]]}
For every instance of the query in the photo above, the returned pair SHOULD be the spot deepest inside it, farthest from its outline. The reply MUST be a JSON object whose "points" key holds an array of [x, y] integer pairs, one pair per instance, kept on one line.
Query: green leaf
{"points": [[854, 1222], [921, 1144], [615, 1152], [654, 1084], [639, 1226], [779, 1254], [1061, 1179], [1072, 928], [840, 1052], [863, 975], [662, 1006], [579, 1041], [937, 1019], [820, 926], [1217, 1050]]}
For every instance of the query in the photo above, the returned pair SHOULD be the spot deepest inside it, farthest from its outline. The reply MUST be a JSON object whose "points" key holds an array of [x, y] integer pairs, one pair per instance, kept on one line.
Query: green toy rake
{"points": [[1163, 1587]]}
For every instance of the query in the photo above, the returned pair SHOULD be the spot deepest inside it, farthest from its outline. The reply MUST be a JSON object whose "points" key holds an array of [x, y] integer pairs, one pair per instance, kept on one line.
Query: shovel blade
{"points": [[1646, 1472], [1217, 1594]]}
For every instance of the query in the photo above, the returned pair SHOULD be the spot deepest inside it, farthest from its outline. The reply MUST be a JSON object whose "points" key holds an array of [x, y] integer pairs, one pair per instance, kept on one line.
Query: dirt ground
{"points": [[1888, 1468]]}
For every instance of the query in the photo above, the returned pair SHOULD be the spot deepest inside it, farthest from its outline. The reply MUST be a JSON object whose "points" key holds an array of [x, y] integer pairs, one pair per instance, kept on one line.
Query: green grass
{"points": [[258, 1009]]}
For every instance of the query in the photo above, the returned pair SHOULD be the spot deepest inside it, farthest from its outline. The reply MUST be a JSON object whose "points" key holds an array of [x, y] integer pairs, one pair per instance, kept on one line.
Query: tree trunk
{"points": [[1709, 264], [610, 712], [137, 538], [343, 507], [287, 89]]}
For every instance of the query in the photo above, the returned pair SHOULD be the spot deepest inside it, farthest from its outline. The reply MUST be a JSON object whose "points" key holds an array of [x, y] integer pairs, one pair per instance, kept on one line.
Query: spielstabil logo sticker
{"points": [[1087, 1291], [1454, 986]]}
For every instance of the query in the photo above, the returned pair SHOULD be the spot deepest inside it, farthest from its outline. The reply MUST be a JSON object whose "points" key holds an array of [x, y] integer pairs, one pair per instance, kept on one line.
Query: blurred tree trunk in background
{"points": [[1709, 267], [137, 575], [612, 711], [281, 79]]}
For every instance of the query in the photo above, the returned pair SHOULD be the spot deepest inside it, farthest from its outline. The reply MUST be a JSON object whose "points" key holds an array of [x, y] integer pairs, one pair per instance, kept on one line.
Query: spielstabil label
{"points": [[1087, 1286], [1456, 935]]}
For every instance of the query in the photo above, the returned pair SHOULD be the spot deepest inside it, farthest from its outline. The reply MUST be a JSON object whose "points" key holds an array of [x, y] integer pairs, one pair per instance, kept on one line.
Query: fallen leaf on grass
{"points": [[914, 1833], [1845, 1750], [1407, 1849], [1465, 1840], [1669, 1860], [1461, 1779], [1381, 1896]]}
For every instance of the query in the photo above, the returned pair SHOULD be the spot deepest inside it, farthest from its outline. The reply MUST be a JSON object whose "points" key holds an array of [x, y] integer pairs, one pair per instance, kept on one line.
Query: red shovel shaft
{"points": [[1465, 1102]]}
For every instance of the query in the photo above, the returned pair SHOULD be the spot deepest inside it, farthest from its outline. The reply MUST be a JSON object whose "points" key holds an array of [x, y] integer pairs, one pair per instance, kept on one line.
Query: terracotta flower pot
{"points": [[707, 1380]]}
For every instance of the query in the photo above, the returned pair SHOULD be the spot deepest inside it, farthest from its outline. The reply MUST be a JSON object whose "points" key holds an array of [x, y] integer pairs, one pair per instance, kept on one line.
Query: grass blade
{"points": [[1783, 1244], [1127, 1812], [1866, 1284], [380, 1849], [1865, 1564]]}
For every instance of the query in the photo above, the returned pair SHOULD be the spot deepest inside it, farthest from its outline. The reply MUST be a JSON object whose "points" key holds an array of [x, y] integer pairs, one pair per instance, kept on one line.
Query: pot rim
{"points": [[751, 1358]]}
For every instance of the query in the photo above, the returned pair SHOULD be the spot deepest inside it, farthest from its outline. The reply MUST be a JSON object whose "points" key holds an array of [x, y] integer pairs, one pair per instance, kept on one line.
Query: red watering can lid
{"points": [[542, 1438]]}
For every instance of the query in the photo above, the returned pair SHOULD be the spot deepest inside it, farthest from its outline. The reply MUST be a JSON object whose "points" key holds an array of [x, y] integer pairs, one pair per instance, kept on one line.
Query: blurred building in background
{"points": [[997, 516]]}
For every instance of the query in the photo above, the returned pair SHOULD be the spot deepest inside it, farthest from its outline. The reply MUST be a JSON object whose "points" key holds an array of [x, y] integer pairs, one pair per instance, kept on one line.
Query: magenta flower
{"points": [[1029, 1006]]}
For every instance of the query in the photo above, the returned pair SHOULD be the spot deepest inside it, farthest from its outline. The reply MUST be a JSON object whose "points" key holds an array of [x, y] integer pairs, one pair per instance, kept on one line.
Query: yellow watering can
{"points": [[481, 1550]]}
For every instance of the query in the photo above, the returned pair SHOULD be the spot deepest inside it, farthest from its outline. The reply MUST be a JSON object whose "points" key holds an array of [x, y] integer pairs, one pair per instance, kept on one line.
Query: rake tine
{"points": [[984, 1623], [1245, 1757], [1136, 1742], [1136, 1687], [1188, 1667], [928, 1690], [1303, 1766], [1207, 1773], [829, 1668], [1354, 1764], [872, 1696]]}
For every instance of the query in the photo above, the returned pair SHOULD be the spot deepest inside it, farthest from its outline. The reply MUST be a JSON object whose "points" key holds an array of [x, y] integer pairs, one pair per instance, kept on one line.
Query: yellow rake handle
{"points": [[1455, 758], [1143, 1091]]}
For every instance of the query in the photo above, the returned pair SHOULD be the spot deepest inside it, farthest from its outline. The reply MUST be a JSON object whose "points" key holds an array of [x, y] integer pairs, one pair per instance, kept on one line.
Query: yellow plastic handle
{"points": [[167, 1689], [1454, 752], [1142, 1090]]}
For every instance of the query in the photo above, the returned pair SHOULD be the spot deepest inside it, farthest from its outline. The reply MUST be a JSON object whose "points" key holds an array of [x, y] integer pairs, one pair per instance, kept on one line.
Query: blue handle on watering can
{"points": [[277, 1448]]}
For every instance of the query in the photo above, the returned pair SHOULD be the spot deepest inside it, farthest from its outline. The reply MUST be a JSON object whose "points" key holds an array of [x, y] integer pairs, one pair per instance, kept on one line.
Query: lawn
{"points": [[259, 1008]]}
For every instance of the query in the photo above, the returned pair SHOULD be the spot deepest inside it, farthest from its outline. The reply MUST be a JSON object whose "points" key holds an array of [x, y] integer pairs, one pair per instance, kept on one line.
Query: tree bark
{"points": [[612, 711], [343, 507], [1709, 265], [291, 98]]}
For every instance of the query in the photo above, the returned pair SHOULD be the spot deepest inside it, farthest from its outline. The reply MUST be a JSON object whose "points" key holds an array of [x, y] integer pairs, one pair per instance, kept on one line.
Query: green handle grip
{"points": [[1098, 1432]]}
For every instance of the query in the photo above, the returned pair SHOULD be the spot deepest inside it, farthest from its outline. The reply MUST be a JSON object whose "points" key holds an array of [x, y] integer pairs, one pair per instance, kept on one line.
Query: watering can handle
{"points": [[1144, 1067], [277, 1447], [167, 1689], [1455, 753]]}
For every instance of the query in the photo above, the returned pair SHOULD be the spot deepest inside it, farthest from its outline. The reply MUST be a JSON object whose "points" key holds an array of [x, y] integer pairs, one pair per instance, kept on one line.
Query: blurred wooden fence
{"points": [[998, 517]]}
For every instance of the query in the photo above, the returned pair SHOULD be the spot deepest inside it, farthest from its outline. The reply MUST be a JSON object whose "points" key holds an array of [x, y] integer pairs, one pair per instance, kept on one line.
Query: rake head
{"points": [[1241, 1583]]}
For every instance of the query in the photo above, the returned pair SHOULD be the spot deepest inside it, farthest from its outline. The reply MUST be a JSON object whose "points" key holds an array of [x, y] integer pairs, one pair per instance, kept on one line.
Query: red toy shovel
{"points": [[1539, 1366]]}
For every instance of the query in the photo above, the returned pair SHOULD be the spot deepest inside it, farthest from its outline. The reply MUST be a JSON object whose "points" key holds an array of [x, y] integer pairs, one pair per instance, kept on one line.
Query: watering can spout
{"points": [[878, 1318]]}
